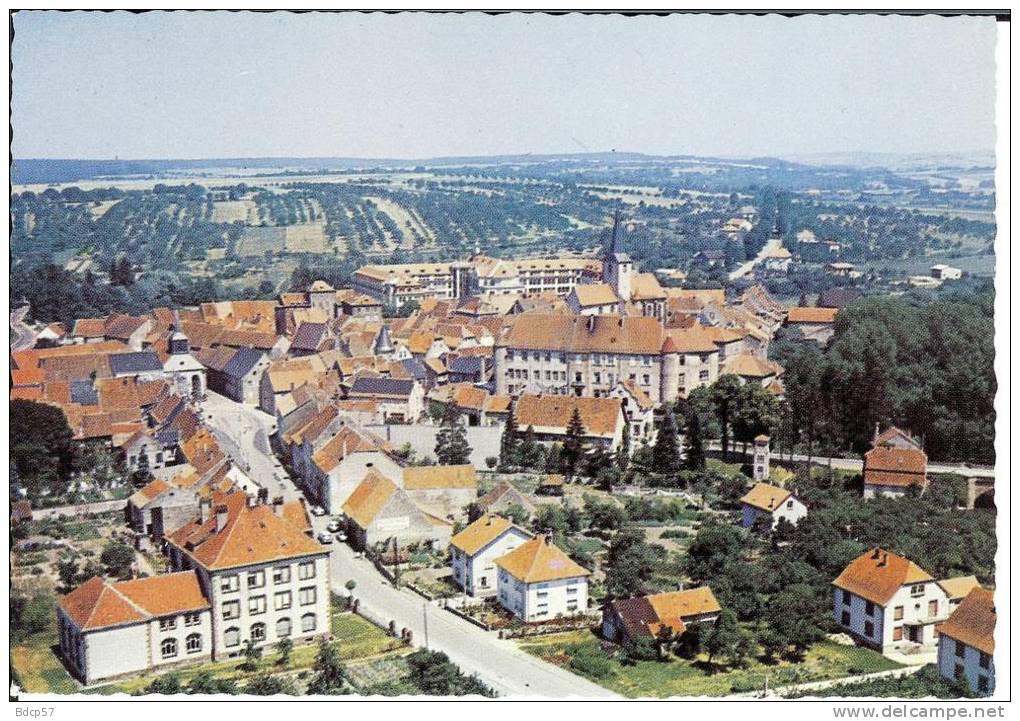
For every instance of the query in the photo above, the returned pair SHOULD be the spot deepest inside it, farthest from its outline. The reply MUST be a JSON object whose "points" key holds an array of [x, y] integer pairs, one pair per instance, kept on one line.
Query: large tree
{"points": [[629, 564], [573, 445], [724, 398], [452, 447], [666, 451], [41, 446]]}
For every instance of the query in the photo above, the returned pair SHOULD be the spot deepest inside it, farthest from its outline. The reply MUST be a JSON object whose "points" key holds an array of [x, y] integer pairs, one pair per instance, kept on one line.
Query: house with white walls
{"points": [[473, 552]]}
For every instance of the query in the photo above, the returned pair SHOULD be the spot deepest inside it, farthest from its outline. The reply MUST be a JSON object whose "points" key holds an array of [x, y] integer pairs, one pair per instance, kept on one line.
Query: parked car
{"points": [[333, 526], [325, 538], [341, 537], [318, 511]]}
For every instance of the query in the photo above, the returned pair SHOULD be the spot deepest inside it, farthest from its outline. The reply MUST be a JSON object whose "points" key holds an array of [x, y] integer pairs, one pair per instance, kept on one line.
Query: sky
{"points": [[412, 85]]}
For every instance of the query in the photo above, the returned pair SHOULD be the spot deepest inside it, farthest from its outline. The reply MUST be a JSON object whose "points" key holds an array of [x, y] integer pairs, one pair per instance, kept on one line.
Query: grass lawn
{"points": [[680, 677], [39, 669]]}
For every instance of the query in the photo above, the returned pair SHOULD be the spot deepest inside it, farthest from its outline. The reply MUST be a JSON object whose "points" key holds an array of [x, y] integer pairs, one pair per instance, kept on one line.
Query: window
{"points": [[256, 605], [961, 650], [256, 579], [845, 618], [572, 605], [308, 622], [281, 574], [231, 637], [646, 379], [193, 643], [283, 628], [571, 590], [897, 613], [228, 584], [258, 632], [282, 600], [306, 570], [231, 609], [869, 628], [984, 660], [959, 672], [168, 624], [703, 376], [917, 589], [869, 608], [789, 504], [933, 608], [192, 619], [897, 633], [306, 596], [168, 647]]}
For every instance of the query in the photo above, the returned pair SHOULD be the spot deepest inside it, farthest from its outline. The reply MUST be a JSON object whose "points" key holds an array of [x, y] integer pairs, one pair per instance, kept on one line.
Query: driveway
{"points": [[79, 509], [24, 336]]}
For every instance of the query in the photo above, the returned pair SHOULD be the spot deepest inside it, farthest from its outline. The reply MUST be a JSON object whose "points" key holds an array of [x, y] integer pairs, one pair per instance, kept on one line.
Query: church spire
{"points": [[614, 244]]}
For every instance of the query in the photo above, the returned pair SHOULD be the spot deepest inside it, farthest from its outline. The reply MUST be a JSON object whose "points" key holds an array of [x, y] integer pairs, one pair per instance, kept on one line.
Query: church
{"points": [[622, 290]]}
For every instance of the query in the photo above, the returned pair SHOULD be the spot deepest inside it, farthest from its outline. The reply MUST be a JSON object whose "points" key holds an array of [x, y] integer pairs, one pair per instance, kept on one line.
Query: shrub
{"points": [[591, 663]]}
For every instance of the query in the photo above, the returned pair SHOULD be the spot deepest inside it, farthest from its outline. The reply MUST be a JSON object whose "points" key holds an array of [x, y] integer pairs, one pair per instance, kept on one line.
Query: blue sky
{"points": [[204, 85]]}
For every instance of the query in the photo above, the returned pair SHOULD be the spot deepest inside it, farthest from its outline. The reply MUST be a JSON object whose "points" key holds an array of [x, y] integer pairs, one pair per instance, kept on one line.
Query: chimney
{"points": [[876, 434], [205, 509], [885, 559], [591, 324], [263, 497], [876, 554], [278, 506], [221, 518]]}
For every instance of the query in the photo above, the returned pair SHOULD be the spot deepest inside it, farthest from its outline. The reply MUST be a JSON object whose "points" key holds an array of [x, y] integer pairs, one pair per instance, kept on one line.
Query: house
{"points": [[380, 515], [629, 619], [593, 299], [401, 400], [750, 368], [941, 271], [468, 369], [242, 375], [967, 643], [551, 484], [143, 365], [150, 449], [764, 505], [889, 603], [185, 373], [778, 260], [957, 588], [443, 490], [473, 552], [842, 270], [539, 582], [341, 463], [160, 508], [106, 630], [891, 471], [638, 410], [501, 499], [127, 329], [549, 416], [817, 324], [266, 579]]}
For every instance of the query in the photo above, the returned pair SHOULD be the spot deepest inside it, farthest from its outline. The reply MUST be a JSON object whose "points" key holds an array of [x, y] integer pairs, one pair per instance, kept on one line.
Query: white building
{"points": [[473, 552], [108, 629], [266, 579], [941, 271], [343, 462], [889, 603], [539, 582], [967, 643], [765, 504]]}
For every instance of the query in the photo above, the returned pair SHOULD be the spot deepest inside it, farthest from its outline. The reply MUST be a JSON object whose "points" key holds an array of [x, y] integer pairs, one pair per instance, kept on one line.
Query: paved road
{"points": [[24, 336], [500, 664], [856, 464], [745, 268], [243, 431]]}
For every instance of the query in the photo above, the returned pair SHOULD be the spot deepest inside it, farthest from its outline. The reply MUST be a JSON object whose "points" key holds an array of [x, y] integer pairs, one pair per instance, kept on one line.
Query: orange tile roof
{"points": [[148, 492], [481, 533], [877, 575], [891, 466], [595, 294], [348, 440], [368, 498], [973, 621], [89, 327], [423, 478], [645, 286], [250, 535], [643, 399], [600, 416], [585, 334], [98, 604], [812, 315], [537, 560], [748, 365], [766, 497], [693, 339]]}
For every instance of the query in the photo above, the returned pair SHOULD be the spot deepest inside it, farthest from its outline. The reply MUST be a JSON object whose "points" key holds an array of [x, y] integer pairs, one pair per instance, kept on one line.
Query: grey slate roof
{"points": [[243, 361], [137, 362], [308, 336], [415, 368], [364, 385], [84, 393], [466, 365]]}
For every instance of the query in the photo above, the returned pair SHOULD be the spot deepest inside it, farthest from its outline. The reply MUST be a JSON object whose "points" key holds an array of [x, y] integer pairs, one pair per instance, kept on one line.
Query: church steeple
{"points": [[614, 243], [179, 343], [617, 266]]}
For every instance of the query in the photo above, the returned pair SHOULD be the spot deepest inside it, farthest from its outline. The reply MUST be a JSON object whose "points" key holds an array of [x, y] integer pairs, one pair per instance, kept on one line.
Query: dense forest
{"points": [[923, 361]]}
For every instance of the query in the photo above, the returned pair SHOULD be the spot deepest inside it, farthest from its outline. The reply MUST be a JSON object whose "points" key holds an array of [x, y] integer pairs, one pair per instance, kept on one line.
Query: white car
{"points": [[341, 537], [333, 526], [325, 538], [318, 511]]}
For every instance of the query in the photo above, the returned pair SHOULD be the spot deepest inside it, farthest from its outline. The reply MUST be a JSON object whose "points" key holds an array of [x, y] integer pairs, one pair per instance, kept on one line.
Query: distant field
{"points": [[305, 238], [974, 264], [260, 240], [230, 211], [404, 220]]}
